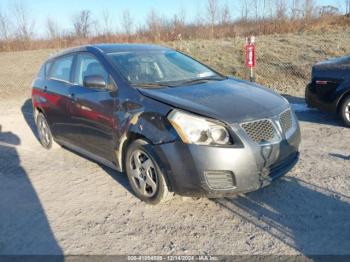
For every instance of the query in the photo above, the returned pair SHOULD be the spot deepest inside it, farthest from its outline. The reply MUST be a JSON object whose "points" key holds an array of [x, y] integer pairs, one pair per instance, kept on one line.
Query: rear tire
{"points": [[307, 101], [45, 135], [145, 177], [345, 111]]}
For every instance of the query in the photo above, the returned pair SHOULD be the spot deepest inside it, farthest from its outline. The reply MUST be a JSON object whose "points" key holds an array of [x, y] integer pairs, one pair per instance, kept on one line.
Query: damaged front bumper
{"points": [[194, 170]]}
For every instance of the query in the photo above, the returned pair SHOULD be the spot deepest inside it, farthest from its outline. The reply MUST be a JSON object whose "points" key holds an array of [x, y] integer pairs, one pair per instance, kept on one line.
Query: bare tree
{"points": [[199, 20], [270, 8], [309, 7], [244, 10], [107, 20], [347, 7], [82, 23], [24, 25], [295, 10], [53, 30], [255, 6], [281, 9], [127, 22], [263, 9], [4, 27], [179, 22], [212, 10], [225, 16], [154, 23], [328, 10], [180, 18]]}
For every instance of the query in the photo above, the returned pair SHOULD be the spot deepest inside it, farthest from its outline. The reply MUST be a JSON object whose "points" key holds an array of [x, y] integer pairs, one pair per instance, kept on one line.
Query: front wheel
{"points": [[345, 111], [145, 177]]}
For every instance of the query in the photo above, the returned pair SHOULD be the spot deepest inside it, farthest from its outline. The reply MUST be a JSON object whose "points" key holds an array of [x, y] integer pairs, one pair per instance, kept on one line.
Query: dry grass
{"points": [[17, 71], [168, 30], [284, 61]]}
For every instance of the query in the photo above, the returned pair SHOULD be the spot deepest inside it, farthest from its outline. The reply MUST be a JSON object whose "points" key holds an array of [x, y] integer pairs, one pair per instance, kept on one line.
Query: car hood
{"points": [[335, 62], [230, 100]]}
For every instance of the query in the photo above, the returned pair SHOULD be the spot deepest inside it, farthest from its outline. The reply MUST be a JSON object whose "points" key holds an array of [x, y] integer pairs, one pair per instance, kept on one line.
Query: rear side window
{"points": [[42, 73], [45, 68], [61, 69]]}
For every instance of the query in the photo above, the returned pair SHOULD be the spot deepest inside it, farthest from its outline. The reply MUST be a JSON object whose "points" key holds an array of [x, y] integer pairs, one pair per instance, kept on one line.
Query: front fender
{"points": [[148, 122]]}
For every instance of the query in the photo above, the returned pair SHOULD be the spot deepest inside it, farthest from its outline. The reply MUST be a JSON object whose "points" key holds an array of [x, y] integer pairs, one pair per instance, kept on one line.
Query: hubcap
{"points": [[143, 173], [347, 112], [44, 132]]}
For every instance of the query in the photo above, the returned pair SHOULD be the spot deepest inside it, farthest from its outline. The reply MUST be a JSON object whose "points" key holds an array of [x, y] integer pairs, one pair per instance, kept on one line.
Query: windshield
{"points": [[160, 68]]}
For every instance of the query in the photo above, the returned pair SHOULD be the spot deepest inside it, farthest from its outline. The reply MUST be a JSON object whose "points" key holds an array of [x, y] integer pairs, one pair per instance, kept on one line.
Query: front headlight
{"points": [[198, 130]]}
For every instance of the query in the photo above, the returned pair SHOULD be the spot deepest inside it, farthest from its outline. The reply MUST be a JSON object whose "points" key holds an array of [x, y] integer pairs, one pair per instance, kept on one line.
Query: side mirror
{"points": [[95, 81]]}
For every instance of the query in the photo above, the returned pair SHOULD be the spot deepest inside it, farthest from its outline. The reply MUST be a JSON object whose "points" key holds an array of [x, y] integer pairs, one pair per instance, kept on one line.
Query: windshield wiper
{"points": [[155, 84], [179, 83], [203, 79]]}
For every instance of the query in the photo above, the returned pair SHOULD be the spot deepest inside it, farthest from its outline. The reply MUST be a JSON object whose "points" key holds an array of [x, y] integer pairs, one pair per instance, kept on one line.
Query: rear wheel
{"points": [[145, 177], [44, 131], [307, 98], [345, 111]]}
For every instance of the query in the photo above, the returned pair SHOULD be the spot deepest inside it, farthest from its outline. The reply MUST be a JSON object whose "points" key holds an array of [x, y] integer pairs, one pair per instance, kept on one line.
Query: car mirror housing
{"points": [[95, 81]]}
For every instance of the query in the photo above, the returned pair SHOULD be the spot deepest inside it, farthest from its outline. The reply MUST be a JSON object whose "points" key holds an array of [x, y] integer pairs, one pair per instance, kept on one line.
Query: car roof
{"points": [[109, 48]]}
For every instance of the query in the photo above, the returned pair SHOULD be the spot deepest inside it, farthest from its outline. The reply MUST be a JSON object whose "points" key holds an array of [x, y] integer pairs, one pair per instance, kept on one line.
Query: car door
{"points": [[92, 109], [56, 94]]}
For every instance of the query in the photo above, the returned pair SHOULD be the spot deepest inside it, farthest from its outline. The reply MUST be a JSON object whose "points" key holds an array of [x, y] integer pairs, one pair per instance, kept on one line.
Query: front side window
{"points": [[61, 68], [160, 66], [88, 65]]}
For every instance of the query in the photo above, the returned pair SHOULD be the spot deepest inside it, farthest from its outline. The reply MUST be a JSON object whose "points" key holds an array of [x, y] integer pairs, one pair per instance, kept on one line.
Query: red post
{"points": [[250, 56]]}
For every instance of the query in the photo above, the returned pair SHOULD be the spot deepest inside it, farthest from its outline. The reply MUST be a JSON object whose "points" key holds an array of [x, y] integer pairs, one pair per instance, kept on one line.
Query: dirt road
{"points": [[54, 202]]}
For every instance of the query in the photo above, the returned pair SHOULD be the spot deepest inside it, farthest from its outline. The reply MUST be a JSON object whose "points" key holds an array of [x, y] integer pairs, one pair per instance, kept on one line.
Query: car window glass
{"points": [[158, 66], [61, 69], [41, 73], [87, 65], [47, 68]]}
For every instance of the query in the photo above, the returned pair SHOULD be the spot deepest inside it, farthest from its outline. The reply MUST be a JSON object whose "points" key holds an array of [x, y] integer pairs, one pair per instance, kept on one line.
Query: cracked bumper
{"points": [[187, 166]]}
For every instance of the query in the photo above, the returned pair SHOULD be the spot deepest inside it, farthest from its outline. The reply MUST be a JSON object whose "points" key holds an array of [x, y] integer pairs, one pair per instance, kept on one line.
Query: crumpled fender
{"points": [[151, 125]]}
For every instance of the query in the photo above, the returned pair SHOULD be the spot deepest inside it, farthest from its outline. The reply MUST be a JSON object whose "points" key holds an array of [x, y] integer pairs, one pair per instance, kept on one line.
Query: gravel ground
{"points": [[57, 202], [54, 202]]}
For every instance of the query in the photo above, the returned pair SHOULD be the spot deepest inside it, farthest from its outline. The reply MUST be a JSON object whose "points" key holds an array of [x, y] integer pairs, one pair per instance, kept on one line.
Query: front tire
{"points": [[145, 177], [345, 111]]}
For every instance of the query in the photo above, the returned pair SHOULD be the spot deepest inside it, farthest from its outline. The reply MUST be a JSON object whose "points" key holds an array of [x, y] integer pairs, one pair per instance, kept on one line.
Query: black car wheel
{"points": [[307, 98], [45, 135], [345, 111], [145, 177]]}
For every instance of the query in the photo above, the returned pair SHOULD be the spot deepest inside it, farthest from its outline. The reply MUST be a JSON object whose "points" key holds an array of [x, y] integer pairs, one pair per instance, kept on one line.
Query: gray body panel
{"points": [[231, 101]]}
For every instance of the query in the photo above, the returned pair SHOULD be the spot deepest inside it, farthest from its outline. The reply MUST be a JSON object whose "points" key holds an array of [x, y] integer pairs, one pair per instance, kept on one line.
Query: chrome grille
{"points": [[286, 121], [261, 131]]}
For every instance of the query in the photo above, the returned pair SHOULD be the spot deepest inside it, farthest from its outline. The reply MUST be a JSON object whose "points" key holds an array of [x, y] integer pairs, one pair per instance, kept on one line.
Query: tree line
{"points": [[18, 26]]}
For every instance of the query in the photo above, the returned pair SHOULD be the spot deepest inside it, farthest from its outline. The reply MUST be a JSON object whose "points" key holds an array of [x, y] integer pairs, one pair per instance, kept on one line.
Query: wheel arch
{"points": [[151, 127], [36, 111], [130, 138], [341, 100]]}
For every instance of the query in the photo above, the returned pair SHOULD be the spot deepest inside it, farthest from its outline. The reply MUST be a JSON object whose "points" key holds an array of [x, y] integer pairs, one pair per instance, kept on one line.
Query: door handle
{"points": [[72, 97]]}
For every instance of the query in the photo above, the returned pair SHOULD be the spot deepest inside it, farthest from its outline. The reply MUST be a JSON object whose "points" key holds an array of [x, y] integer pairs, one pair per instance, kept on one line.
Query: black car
{"points": [[171, 123], [329, 89]]}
